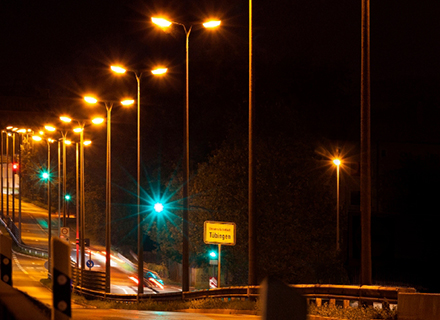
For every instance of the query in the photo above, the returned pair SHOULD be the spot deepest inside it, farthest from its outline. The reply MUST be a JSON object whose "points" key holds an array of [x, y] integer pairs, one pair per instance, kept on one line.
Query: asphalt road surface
{"points": [[27, 272], [86, 314], [34, 223]]}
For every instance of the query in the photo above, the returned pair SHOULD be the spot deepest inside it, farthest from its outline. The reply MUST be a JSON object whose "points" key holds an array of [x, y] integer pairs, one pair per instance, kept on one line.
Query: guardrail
{"points": [[22, 247], [93, 280], [315, 293], [94, 287]]}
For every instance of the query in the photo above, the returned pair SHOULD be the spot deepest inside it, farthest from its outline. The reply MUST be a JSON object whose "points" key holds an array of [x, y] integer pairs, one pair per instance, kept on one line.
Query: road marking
{"points": [[125, 291], [18, 264]]}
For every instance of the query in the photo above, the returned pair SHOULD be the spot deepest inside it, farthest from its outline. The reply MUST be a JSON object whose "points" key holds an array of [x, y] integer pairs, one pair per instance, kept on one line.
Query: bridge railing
{"points": [[315, 293], [94, 287]]}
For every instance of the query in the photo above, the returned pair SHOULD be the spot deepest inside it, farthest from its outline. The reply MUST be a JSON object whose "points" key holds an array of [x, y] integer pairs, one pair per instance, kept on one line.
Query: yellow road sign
{"points": [[216, 232]]}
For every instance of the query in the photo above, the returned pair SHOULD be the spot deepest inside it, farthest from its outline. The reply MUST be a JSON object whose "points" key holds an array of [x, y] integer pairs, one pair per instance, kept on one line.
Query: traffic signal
{"points": [[158, 207], [212, 255], [15, 167], [45, 175], [67, 197]]}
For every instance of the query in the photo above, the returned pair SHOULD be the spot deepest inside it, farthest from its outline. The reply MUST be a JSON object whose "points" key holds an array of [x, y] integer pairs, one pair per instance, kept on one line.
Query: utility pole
{"points": [[365, 183]]}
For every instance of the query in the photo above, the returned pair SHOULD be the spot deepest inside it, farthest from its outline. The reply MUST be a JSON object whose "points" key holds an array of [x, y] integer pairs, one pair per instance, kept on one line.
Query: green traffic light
{"points": [[213, 254], [45, 175], [67, 197], [158, 207]]}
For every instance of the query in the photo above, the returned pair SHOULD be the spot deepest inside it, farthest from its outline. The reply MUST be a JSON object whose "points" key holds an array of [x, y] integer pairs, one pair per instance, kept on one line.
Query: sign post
{"points": [[65, 233], [215, 232], [61, 298], [6, 259]]}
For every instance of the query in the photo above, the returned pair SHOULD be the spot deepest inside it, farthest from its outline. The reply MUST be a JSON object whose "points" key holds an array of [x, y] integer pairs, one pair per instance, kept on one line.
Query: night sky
{"points": [[306, 68], [300, 48]]}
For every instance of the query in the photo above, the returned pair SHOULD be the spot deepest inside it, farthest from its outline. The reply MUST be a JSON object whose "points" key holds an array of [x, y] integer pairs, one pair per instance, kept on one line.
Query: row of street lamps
{"points": [[12, 132], [163, 23], [46, 176]]}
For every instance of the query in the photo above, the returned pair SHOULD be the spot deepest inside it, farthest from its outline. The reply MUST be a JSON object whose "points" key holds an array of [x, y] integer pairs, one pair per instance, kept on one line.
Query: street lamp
{"points": [[1, 173], [163, 23], [138, 75], [108, 191], [21, 133], [62, 140], [77, 178], [8, 134], [337, 163], [80, 129], [46, 176]]}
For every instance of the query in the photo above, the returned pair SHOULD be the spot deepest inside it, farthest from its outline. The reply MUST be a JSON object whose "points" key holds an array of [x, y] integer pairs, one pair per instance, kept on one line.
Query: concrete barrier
{"points": [[418, 306], [16, 305]]}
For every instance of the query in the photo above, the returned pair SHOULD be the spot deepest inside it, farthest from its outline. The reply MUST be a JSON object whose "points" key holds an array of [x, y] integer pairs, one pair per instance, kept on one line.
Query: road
{"points": [[27, 272], [34, 233], [86, 314]]}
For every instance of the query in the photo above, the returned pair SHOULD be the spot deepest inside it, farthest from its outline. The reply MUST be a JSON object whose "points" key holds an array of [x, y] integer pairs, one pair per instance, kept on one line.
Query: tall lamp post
{"points": [[1, 173], [108, 191], [80, 129], [163, 23], [77, 178], [62, 141], [252, 223], [46, 176], [8, 134], [21, 133], [365, 166], [138, 75], [337, 163]]}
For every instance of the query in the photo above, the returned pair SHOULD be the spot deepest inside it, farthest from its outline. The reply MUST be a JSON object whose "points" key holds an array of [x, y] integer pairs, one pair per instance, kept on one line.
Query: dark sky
{"points": [[307, 52]]}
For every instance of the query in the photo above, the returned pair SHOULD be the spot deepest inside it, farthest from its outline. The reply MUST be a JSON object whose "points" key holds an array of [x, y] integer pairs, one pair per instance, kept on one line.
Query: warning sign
{"points": [[65, 233], [212, 282]]}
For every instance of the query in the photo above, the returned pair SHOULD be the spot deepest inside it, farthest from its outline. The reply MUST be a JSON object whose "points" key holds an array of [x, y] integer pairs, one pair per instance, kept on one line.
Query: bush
{"points": [[362, 313]]}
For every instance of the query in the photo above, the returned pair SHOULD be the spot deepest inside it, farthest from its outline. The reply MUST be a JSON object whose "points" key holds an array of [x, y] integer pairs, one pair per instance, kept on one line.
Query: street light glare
{"points": [[159, 71], [127, 102], [90, 99], [118, 69], [37, 138], [161, 22], [337, 162], [49, 128], [87, 142], [78, 129], [212, 24], [98, 120], [65, 119]]}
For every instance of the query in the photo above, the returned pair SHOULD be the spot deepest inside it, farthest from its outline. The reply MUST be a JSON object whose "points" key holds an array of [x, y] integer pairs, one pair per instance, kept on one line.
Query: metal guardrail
{"points": [[94, 287], [93, 280], [24, 248], [313, 292]]}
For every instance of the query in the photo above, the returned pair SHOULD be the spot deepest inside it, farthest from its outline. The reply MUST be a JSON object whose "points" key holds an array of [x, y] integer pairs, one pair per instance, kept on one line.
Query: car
{"points": [[153, 280]]}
